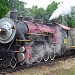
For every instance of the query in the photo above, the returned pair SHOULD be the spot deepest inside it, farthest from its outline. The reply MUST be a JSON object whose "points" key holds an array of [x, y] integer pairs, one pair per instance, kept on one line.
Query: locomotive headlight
{"points": [[22, 49]]}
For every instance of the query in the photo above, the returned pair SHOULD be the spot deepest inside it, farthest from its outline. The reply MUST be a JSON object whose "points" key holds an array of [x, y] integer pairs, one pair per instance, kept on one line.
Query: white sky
{"points": [[39, 3]]}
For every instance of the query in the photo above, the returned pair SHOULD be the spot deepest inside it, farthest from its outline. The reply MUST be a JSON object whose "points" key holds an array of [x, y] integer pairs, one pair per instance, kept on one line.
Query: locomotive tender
{"points": [[27, 42]]}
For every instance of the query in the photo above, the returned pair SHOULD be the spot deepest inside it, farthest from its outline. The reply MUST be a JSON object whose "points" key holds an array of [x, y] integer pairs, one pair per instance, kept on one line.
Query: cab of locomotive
{"points": [[72, 39], [63, 38]]}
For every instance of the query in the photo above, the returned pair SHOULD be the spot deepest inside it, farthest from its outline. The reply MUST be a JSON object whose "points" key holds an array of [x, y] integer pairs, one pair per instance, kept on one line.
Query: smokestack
{"points": [[13, 14]]}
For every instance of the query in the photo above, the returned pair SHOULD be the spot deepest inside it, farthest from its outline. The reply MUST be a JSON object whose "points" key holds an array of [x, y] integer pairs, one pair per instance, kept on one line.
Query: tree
{"points": [[38, 13], [18, 5], [71, 18], [50, 9], [33, 11], [68, 19], [13, 4], [3, 8], [21, 8]]}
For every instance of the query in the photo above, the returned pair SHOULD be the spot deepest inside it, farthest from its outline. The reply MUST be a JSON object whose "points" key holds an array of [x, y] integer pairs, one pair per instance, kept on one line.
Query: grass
{"points": [[70, 71]]}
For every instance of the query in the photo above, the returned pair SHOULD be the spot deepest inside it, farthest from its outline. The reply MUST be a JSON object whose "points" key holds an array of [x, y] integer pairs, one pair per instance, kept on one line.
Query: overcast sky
{"points": [[39, 3]]}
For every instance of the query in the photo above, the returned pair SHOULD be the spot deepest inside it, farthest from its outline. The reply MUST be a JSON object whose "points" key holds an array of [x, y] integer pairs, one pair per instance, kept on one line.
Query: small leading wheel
{"points": [[52, 54], [13, 62], [39, 60], [46, 56]]}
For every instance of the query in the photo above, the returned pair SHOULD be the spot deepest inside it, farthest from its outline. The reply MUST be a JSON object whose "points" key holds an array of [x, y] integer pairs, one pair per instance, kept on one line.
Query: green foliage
{"points": [[38, 13], [51, 7], [21, 8], [13, 4], [71, 22], [34, 11], [19, 5], [68, 19], [3, 8], [6, 5], [71, 18], [41, 13]]}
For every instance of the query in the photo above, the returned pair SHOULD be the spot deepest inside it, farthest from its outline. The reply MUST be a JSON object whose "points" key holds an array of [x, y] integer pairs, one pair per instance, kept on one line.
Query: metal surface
{"points": [[7, 30], [21, 29], [21, 57]]}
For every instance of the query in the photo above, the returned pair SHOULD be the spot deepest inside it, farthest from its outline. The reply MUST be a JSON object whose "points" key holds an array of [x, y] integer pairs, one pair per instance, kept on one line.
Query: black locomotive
{"points": [[24, 41]]}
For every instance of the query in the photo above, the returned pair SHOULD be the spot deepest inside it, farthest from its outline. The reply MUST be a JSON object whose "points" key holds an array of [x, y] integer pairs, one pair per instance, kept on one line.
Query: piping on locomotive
{"points": [[27, 42]]}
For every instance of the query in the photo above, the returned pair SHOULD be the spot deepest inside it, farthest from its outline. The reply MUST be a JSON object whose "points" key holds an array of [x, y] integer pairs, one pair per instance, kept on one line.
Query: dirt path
{"points": [[65, 67]]}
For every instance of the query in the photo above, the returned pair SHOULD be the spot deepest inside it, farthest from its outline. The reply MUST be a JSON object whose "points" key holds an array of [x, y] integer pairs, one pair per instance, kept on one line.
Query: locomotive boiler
{"points": [[24, 41]]}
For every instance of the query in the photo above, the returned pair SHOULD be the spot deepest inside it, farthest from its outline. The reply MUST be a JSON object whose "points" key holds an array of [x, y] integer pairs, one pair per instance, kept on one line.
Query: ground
{"points": [[62, 67]]}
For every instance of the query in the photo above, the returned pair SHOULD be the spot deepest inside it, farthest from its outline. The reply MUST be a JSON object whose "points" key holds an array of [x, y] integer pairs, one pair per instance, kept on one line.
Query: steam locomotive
{"points": [[25, 42]]}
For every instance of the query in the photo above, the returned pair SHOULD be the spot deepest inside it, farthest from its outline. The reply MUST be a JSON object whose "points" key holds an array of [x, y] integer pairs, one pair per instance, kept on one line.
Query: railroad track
{"points": [[24, 67]]}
